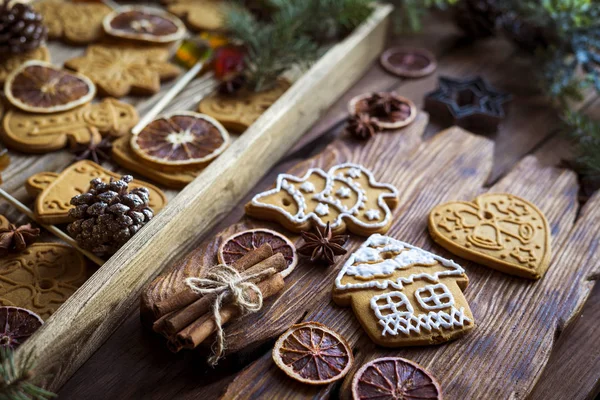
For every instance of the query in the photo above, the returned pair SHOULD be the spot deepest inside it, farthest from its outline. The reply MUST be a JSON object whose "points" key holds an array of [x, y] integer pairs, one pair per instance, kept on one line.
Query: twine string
{"points": [[228, 285]]}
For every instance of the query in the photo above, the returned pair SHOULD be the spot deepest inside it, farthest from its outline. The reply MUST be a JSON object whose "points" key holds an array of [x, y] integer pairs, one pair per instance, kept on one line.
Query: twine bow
{"points": [[225, 282]]}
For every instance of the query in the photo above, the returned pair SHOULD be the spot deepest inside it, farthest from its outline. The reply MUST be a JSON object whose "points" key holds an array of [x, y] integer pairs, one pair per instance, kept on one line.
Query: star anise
{"points": [[361, 126], [323, 246], [95, 151], [387, 106], [17, 239]]}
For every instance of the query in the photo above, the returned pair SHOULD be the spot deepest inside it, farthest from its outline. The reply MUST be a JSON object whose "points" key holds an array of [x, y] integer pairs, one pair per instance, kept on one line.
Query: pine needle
{"points": [[15, 380]]}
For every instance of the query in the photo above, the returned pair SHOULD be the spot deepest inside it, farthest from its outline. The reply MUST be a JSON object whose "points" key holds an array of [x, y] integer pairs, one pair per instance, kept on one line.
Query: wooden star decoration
{"points": [[470, 103]]}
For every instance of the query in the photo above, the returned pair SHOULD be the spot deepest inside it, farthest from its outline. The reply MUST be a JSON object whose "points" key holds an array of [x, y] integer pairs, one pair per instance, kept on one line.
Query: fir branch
{"points": [[15, 379], [410, 13], [585, 133]]}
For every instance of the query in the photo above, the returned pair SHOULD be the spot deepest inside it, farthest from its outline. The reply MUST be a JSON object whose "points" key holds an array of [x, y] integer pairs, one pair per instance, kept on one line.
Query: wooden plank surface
{"points": [[144, 369]]}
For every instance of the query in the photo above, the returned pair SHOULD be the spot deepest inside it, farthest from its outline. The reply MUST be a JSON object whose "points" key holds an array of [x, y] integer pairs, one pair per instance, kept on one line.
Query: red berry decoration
{"points": [[228, 61]]}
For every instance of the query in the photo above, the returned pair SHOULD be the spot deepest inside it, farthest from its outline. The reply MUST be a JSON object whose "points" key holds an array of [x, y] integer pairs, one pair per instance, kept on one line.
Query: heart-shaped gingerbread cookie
{"points": [[498, 230]]}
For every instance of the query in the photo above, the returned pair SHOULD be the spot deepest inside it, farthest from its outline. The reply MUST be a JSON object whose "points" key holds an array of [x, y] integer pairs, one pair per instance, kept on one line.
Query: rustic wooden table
{"points": [[135, 364]]}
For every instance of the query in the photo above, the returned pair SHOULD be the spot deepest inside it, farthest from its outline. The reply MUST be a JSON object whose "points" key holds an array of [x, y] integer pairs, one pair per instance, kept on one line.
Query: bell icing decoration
{"points": [[403, 295]]}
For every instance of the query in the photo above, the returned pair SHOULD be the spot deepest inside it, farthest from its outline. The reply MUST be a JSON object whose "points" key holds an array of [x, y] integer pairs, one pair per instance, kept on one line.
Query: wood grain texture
{"points": [[76, 330]]}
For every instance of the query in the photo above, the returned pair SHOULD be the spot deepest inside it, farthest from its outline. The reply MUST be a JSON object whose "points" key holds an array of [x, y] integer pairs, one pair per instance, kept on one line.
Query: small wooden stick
{"points": [[51, 228]]}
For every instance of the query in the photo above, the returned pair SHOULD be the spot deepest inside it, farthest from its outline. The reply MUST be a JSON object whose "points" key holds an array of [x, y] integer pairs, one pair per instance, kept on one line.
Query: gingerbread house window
{"points": [[434, 297]]}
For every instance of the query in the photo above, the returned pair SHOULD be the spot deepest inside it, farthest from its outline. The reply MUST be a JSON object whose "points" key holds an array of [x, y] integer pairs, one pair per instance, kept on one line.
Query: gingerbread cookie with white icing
{"points": [[403, 295], [347, 196]]}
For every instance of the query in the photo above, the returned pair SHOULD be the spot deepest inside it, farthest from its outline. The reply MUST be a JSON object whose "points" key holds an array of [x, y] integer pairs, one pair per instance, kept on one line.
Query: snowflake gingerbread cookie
{"points": [[347, 196], [403, 295]]}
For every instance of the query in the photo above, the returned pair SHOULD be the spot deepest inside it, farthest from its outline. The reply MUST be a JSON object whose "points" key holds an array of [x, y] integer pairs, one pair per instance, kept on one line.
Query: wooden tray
{"points": [[517, 319], [82, 324]]}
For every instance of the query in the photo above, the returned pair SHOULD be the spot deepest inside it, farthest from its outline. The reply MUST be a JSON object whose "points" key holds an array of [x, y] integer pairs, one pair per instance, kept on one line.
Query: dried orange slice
{"points": [[41, 87], [16, 325], [181, 139], [144, 23], [394, 378], [313, 353], [237, 245], [387, 110]]}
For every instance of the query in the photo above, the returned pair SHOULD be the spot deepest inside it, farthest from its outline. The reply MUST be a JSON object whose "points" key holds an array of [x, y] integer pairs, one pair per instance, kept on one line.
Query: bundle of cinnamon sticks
{"points": [[185, 318]]}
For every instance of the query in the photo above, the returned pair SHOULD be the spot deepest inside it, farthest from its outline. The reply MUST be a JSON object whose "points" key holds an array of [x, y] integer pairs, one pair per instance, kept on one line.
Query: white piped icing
{"points": [[372, 215], [343, 192], [322, 209], [284, 182], [307, 187]]}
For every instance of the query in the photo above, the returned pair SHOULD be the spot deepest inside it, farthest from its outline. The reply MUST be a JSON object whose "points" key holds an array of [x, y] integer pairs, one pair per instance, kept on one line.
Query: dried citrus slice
{"points": [[144, 23], [394, 378], [386, 109], [181, 139], [16, 325], [237, 245], [41, 87], [313, 353]]}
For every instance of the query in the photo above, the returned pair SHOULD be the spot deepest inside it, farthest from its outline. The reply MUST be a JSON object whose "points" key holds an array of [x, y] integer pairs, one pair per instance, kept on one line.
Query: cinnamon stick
{"points": [[187, 296], [179, 320], [202, 328]]}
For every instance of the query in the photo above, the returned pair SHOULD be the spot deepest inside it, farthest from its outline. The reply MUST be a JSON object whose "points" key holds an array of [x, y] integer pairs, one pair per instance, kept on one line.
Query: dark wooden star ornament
{"points": [[470, 103]]}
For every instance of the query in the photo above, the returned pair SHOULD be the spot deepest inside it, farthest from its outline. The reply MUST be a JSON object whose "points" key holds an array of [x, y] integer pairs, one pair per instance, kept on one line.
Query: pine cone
{"points": [[477, 18], [524, 34], [21, 28], [108, 215]]}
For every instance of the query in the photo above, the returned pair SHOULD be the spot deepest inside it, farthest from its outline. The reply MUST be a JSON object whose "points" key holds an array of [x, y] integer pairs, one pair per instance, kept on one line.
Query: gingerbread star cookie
{"points": [[54, 191], [74, 22], [9, 63], [498, 230], [403, 295], [237, 112], [119, 70], [124, 155], [40, 133], [200, 15], [41, 278], [347, 196]]}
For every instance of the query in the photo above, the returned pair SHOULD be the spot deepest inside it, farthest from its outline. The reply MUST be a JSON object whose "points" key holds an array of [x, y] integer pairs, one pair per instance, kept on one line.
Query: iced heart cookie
{"points": [[119, 70], [41, 278], [77, 23], [200, 15], [9, 63], [347, 196], [40, 133], [498, 230], [237, 112], [403, 295], [123, 155], [54, 191]]}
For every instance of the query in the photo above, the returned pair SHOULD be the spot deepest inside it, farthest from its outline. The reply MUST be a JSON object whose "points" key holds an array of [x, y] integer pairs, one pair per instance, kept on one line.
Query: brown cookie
{"points": [[348, 197], [237, 112], [73, 22], [119, 70], [126, 158], [54, 191], [403, 295], [498, 230], [200, 15], [40, 133], [41, 278], [10, 63]]}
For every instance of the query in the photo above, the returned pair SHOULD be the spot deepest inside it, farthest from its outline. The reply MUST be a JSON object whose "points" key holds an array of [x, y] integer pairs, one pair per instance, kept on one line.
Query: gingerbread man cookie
{"points": [[9, 63], [41, 278], [124, 155], [237, 112], [200, 15], [54, 191], [501, 231], [40, 133], [119, 70], [403, 295], [347, 196], [77, 23]]}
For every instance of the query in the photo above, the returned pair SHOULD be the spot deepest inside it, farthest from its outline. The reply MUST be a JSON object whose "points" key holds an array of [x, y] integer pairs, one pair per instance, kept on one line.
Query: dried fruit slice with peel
{"points": [[145, 24], [237, 245], [181, 139], [313, 353], [405, 116], [16, 325], [394, 378], [40, 87]]}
